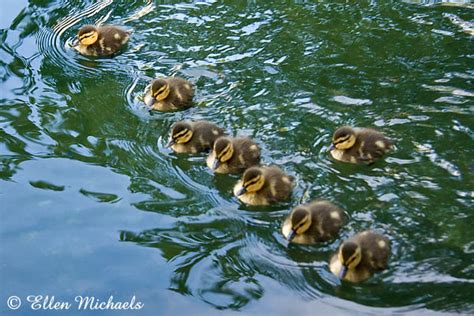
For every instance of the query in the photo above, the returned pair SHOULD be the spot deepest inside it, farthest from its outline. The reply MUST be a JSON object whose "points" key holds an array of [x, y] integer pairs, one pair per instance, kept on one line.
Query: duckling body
{"points": [[263, 186], [360, 256], [359, 145], [169, 94], [101, 41], [233, 155], [315, 222], [194, 136]]}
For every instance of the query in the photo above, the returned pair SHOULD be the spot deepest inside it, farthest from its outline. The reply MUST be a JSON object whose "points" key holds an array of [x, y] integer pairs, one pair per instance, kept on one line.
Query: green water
{"points": [[92, 203]]}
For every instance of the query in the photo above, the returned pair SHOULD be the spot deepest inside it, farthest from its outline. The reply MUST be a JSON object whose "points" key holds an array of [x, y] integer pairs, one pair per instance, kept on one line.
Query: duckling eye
{"points": [[301, 223], [351, 259]]}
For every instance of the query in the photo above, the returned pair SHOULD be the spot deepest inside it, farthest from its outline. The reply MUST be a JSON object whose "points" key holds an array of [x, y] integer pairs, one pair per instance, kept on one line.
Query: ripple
{"points": [[47, 186], [351, 101], [100, 196], [428, 150]]}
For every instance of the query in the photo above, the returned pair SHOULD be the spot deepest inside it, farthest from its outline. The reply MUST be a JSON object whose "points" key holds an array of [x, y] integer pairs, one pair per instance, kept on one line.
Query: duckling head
{"points": [[160, 89], [343, 138], [88, 35], [350, 255], [300, 222], [223, 151], [181, 133], [252, 181]]}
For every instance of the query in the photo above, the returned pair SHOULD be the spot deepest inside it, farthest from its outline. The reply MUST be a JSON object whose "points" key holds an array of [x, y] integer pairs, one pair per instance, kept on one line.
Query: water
{"points": [[94, 204]]}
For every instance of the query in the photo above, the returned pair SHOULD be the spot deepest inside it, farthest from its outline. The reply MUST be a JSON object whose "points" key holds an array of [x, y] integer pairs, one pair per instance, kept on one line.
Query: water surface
{"points": [[92, 203]]}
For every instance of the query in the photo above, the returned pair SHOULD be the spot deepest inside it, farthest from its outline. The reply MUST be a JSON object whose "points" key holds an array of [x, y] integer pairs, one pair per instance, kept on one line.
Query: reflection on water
{"points": [[461, 3], [95, 202]]}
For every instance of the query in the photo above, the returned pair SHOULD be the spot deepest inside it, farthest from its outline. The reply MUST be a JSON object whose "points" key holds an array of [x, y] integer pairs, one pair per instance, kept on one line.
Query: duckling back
{"points": [[204, 134], [325, 223], [181, 94], [279, 185], [375, 250], [246, 153]]}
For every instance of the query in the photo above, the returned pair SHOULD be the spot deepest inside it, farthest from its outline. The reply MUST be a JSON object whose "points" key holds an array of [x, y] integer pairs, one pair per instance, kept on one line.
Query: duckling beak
{"points": [[241, 191], [332, 147], [343, 272], [149, 101], [216, 164], [291, 235], [170, 143], [75, 42]]}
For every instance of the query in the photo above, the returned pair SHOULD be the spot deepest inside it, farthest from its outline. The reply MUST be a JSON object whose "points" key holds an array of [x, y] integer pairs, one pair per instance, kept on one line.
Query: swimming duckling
{"points": [[194, 136], [233, 155], [169, 94], [263, 186], [360, 256], [358, 145], [314, 222], [101, 41]]}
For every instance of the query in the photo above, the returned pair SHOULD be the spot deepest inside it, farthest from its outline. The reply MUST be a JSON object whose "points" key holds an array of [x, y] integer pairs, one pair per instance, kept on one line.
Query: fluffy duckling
{"points": [[360, 256], [263, 186], [101, 41], [358, 145], [169, 94], [194, 136], [314, 222], [233, 155]]}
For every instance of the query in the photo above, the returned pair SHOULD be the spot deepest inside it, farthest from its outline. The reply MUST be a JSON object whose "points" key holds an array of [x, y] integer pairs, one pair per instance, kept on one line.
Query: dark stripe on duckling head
{"points": [[348, 250], [180, 128], [157, 93], [226, 153], [183, 137], [221, 146], [87, 35], [297, 217], [159, 86], [342, 139], [180, 133], [252, 181]]}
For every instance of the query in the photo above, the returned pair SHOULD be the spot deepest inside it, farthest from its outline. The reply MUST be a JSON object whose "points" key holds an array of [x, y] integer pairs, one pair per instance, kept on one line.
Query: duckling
{"points": [[101, 41], [233, 155], [359, 257], [169, 94], [263, 186], [194, 136], [358, 145], [315, 222]]}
